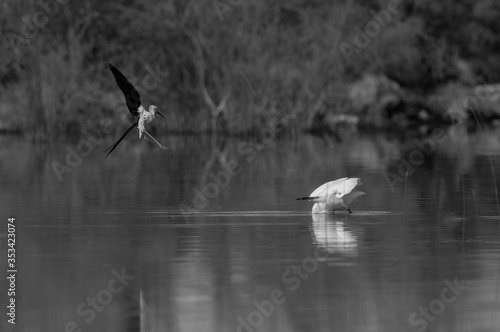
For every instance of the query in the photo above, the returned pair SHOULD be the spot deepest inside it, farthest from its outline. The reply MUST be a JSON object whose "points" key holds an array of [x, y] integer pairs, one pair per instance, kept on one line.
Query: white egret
{"points": [[135, 107], [334, 195]]}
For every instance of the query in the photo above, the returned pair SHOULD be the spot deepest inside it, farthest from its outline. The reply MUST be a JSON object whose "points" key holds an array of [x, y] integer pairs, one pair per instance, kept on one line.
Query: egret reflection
{"points": [[333, 235]]}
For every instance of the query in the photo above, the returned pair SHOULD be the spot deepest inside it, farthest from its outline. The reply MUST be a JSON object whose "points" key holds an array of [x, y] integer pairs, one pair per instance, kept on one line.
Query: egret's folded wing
{"points": [[349, 198], [347, 186], [327, 188], [339, 187]]}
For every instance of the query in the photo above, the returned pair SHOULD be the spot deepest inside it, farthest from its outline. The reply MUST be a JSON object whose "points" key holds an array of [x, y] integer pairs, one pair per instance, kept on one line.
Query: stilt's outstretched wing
{"points": [[132, 96], [112, 147]]}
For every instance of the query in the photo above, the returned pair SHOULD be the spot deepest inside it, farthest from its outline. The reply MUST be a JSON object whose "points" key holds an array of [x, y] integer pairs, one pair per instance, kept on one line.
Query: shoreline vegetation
{"points": [[234, 67]]}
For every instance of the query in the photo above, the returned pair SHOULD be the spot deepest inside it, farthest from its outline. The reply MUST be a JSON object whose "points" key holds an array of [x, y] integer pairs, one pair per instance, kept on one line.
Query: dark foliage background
{"points": [[228, 66]]}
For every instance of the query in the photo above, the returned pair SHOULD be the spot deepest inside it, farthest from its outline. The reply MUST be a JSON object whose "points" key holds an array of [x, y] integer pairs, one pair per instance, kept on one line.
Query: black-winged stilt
{"points": [[135, 107]]}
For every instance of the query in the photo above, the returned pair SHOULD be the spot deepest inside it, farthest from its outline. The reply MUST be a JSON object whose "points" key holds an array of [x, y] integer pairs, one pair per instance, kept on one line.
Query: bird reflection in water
{"points": [[332, 234]]}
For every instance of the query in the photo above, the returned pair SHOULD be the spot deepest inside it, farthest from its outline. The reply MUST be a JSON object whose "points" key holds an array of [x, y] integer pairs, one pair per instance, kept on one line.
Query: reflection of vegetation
{"points": [[233, 71]]}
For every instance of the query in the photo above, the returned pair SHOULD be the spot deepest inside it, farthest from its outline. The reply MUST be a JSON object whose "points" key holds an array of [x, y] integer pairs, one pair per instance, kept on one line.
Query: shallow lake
{"points": [[208, 236]]}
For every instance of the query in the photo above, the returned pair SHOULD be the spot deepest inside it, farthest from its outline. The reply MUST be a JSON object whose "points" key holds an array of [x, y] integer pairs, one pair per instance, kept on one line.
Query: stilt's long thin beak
{"points": [[160, 114]]}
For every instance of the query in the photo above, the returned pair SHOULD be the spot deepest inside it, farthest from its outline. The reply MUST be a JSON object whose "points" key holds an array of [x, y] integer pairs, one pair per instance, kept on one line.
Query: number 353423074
{"points": [[11, 244]]}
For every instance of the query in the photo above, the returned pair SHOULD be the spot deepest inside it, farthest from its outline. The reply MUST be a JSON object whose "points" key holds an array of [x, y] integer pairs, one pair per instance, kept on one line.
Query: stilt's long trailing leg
{"points": [[149, 139], [112, 147], [153, 140]]}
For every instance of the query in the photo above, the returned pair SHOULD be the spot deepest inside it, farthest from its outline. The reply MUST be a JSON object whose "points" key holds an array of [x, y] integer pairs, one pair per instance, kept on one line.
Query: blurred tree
{"points": [[265, 59]]}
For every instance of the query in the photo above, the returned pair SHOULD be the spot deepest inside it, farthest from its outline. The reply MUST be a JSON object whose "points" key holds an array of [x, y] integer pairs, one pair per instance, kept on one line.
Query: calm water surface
{"points": [[209, 237]]}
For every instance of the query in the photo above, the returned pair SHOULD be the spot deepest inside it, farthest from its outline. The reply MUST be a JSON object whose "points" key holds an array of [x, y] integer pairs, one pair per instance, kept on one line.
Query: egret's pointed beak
{"points": [[160, 114]]}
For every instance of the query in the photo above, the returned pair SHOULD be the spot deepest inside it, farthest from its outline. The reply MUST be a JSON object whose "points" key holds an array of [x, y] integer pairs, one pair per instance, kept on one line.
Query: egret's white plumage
{"points": [[334, 195]]}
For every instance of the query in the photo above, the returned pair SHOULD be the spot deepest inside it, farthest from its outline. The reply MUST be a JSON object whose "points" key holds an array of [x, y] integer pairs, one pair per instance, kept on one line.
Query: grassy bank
{"points": [[235, 66]]}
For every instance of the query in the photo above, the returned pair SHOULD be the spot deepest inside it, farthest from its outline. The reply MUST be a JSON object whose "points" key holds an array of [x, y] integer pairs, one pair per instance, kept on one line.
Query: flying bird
{"points": [[334, 195], [133, 100]]}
